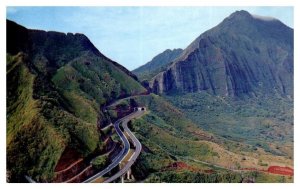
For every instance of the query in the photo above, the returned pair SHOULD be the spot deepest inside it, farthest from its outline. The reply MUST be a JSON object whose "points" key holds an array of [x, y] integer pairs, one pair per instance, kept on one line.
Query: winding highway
{"points": [[136, 143], [124, 151]]}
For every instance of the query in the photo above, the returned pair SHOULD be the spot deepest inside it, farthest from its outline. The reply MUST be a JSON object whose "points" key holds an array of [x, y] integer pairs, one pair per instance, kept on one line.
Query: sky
{"points": [[132, 36]]}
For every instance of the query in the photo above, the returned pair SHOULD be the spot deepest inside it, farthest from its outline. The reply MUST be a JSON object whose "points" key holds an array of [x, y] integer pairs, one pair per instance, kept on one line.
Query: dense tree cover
{"points": [[57, 87], [100, 162]]}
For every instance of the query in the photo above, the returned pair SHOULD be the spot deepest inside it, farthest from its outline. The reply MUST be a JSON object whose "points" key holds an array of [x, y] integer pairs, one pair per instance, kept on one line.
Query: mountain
{"points": [[157, 64], [236, 81], [245, 55], [57, 85]]}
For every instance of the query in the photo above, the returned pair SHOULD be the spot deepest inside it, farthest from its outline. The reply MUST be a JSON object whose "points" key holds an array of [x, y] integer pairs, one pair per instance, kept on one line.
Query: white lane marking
{"points": [[128, 165], [124, 147]]}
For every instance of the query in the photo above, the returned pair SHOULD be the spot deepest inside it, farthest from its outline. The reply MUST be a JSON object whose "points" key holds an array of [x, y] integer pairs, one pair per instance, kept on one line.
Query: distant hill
{"points": [[157, 64], [57, 85], [244, 55]]}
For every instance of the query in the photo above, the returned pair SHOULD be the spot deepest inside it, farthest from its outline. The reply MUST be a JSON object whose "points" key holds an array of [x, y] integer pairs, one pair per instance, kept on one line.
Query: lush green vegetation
{"points": [[191, 177], [168, 137], [69, 108], [165, 134], [100, 162], [162, 149], [55, 95], [255, 121], [23, 121], [167, 116], [225, 177], [265, 177], [57, 85]]}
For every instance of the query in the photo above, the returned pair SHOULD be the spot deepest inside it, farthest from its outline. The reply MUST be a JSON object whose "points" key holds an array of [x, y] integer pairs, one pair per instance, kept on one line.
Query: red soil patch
{"points": [[274, 170], [72, 167], [69, 157], [70, 172], [70, 164], [281, 170], [82, 176]]}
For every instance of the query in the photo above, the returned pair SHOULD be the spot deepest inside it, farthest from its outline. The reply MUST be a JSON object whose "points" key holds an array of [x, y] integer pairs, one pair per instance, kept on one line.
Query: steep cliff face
{"points": [[157, 64], [243, 55]]}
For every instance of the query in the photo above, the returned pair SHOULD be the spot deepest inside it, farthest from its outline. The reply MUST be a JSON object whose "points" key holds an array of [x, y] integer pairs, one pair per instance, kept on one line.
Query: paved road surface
{"points": [[125, 149], [138, 148]]}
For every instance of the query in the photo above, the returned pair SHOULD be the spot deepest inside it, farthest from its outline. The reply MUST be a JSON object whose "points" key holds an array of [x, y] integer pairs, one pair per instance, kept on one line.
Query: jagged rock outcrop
{"points": [[243, 55]]}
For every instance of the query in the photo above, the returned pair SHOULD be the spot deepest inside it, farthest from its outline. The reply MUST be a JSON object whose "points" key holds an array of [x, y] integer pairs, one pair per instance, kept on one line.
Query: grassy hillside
{"points": [[226, 177], [56, 86], [38, 130], [25, 120], [89, 81], [256, 121], [168, 137]]}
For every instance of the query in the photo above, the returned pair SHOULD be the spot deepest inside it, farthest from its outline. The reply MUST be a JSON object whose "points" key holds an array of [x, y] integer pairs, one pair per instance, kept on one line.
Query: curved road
{"points": [[125, 150], [136, 143]]}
